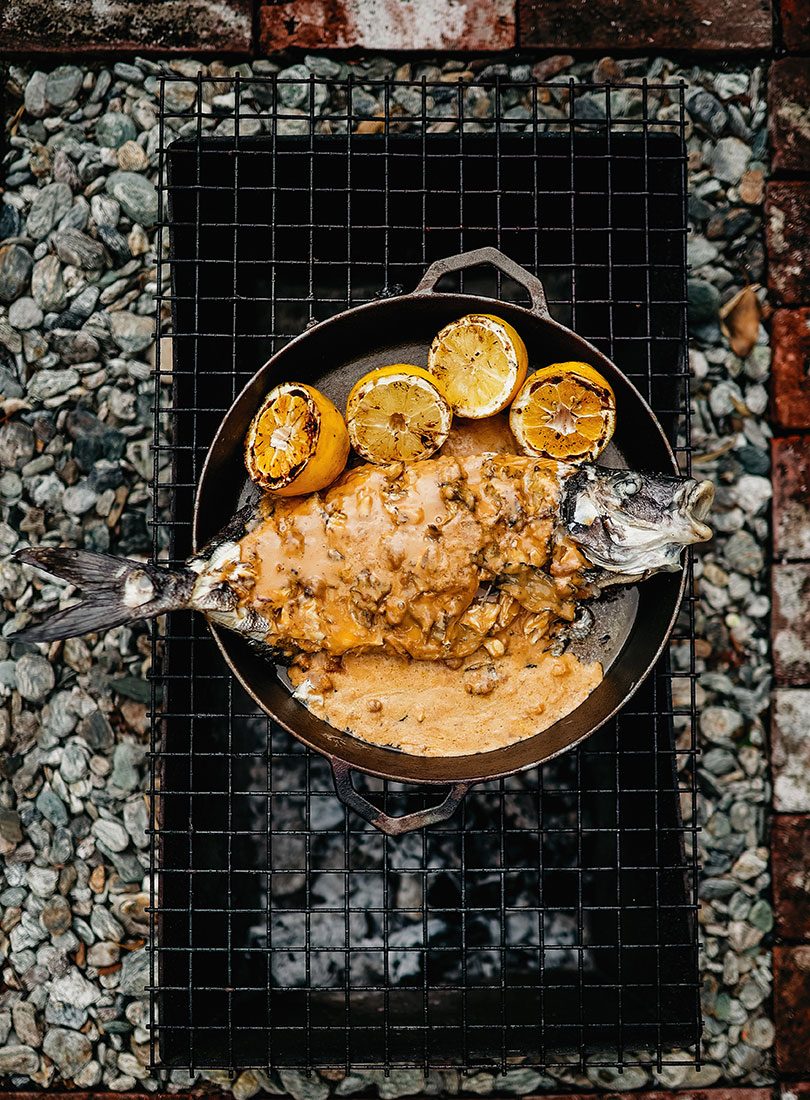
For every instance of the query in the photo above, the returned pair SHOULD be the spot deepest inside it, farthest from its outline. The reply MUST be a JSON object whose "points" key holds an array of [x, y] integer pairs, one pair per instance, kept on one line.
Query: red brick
{"points": [[790, 861], [790, 623], [789, 112], [148, 26], [387, 25], [787, 207], [790, 374], [791, 998], [790, 750], [795, 25], [791, 497], [684, 25]]}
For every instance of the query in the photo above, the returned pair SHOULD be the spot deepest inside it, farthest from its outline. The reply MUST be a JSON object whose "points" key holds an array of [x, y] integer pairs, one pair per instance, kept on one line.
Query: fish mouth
{"points": [[695, 505]]}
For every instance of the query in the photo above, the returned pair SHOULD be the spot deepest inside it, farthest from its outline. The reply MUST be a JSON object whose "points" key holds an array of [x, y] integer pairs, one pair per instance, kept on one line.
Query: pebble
{"points": [[49, 383], [70, 1050], [77, 248], [35, 103], [115, 128], [51, 204], [134, 973], [707, 111], [47, 284], [18, 1058], [137, 195], [729, 159], [131, 332], [42, 881], [63, 84], [744, 553], [720, 723], [15, 271], [35, 677], [51, 806], [24, 314], [704, 301], [56, 916], [111, 834]]}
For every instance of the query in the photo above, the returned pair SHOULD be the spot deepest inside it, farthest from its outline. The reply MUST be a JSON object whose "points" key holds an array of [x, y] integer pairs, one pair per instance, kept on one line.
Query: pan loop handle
{"points": [[489, 255], [392, 826]]}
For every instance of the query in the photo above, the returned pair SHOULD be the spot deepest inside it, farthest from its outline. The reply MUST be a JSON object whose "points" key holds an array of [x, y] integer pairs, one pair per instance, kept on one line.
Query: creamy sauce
{"points": [[428, 709], [508, 688]]}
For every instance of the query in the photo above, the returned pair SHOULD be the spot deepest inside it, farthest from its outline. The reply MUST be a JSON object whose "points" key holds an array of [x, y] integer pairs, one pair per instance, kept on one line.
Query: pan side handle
{"points": [[392, 826], [460, 262]]}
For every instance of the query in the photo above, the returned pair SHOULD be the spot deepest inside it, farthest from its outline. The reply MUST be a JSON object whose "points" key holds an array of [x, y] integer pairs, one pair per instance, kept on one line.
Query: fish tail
{"points": [[114, 591]]}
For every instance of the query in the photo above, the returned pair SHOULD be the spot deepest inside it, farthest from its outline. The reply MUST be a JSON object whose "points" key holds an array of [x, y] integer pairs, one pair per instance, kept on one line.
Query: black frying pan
{"points": [[333, 355]]}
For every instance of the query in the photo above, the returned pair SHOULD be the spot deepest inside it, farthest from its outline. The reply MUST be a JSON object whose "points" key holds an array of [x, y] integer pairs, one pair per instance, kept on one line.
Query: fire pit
{"points": [[552, 921]]}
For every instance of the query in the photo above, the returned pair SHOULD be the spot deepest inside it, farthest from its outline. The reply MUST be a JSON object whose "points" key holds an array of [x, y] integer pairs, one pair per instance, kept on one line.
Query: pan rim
{"points": [[404, 773]]}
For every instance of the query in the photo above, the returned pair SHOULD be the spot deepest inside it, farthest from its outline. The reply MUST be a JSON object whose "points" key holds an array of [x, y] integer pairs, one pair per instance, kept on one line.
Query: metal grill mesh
{"points": [[552, 921]]}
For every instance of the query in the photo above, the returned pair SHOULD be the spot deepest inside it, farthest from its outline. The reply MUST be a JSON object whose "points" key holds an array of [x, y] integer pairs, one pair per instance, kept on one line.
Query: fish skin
{"points": [[432, 559]]}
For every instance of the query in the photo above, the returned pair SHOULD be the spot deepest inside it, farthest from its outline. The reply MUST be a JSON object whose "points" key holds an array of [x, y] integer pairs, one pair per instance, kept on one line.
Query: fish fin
{"points": [[114, 591]]}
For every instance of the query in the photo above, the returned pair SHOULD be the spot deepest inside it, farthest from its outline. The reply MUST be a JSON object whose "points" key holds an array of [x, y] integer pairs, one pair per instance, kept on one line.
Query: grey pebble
{"points": [[707, 111], [131, 332], [729, 159], [104, 924], [111, 834], [47, 285], [131, 73], [77, 248], [24, 314], [42, 880], [719, 761], [35, 677], [49, 383], [744, 553], [63, 84], [719, 723], [51, 806], [70, 1050], [51, 204], [80, 498], [35, 102], [56, 915], [137, 195], [134, 972], [114, 128]]}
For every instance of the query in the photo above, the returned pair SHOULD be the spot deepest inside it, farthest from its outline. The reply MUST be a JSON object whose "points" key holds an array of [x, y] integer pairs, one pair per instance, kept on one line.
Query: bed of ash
{"points": [[427, 708]]}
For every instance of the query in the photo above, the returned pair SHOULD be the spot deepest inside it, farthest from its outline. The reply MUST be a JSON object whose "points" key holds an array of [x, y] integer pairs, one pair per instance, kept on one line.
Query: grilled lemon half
{"points": [[397, 414], [565, 412], [480, 361], [297, 442]]}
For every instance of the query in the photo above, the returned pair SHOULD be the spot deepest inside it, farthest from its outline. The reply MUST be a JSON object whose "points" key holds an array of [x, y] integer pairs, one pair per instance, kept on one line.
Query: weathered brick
{"points": [[790, 623], [148, 26], [790, 860], [790, 458], [795, 1090], [795, 25], [791, 975], [789, 112], [790, 750], [688, 25], [387, 25], [787, 207], [790, 369]]}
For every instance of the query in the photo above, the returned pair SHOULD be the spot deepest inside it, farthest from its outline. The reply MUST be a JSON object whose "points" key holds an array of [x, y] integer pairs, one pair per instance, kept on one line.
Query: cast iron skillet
{"points": [[332, 355]]}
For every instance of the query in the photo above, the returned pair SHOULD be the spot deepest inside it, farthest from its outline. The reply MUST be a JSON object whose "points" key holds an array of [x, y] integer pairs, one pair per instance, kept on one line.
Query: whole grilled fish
{"points": [[431, 559]]}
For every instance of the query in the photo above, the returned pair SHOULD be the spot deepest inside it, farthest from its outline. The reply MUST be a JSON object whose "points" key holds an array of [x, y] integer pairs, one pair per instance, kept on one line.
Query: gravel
{"points": [[77, 275]]}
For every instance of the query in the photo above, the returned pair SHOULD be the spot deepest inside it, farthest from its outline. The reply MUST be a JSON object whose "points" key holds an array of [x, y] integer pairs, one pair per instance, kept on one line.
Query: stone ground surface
{"points": [[77, 274]]}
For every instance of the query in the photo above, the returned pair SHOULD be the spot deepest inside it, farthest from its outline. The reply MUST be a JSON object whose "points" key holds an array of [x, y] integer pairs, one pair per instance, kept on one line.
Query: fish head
{"points": [[630, 525]]}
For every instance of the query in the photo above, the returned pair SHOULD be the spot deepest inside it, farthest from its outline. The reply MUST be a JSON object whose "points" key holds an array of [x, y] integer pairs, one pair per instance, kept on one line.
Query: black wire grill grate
{"points": [[552, 921]]}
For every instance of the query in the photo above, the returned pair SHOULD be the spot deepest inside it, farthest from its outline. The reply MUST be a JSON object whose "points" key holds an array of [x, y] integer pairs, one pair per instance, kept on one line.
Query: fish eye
{"points": [[628, 487]]}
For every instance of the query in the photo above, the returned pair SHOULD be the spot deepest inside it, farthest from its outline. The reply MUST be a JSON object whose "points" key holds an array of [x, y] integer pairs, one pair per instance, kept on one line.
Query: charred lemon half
{"points": [[565, 412], [397, 414], [297, 442], [480, 361]]}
